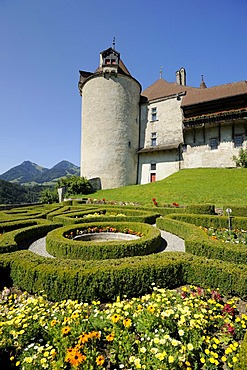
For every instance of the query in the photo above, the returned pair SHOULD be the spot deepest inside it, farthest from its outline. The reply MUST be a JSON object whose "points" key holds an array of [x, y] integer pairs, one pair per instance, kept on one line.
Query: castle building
{"points": [[131, 137]]}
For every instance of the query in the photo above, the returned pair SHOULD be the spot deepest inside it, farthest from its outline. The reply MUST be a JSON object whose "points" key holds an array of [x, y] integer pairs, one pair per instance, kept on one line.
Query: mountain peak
{"points": [[28, 172]]}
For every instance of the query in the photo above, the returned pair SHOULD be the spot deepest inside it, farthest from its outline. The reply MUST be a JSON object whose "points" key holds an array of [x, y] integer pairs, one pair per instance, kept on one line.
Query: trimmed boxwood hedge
{"points": [[59, 246], [211, 221], [105, 280], [242, 360], [131, 276], [21, 238], [199, 243], [13, 225], [132, 215]]}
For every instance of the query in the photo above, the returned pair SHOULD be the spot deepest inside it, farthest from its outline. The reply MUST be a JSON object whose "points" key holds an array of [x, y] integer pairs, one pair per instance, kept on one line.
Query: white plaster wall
{"points": [[199, 154], [168, 125], [167, 163], [110, 130], [168, 128]]}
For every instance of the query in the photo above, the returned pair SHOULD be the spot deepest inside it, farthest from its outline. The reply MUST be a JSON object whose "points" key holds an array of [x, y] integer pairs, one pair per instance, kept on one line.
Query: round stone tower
{"points": [[110, 123]]}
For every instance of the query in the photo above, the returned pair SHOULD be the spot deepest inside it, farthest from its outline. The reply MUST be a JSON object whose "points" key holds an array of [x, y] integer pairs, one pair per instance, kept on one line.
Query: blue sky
{"points": [[44, 43]]}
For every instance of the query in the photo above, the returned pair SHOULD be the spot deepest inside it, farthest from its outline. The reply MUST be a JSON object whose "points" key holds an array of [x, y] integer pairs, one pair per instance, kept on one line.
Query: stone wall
{"points": [[110, 130]]}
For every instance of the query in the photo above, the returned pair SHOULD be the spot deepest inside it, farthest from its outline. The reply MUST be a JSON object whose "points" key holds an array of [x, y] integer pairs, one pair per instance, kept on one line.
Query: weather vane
{"points": [[113, 43], [161, 70]]}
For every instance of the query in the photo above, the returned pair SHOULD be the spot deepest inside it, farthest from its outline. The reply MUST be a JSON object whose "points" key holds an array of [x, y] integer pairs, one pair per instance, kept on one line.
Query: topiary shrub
{"points": [[60, 246]]}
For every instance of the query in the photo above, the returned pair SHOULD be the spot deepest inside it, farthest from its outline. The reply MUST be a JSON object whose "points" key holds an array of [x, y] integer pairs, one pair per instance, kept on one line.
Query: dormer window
{"points": [[110, 57], [110, 61]]}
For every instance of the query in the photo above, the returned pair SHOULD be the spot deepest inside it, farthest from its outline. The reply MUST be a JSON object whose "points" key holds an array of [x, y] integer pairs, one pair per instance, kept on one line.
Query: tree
{"points": [[49, 196], [75, 185], [241, 160]]}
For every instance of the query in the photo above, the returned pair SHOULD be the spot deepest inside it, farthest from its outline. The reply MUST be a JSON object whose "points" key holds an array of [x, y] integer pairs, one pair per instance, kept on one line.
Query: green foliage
{"points": [[60, 246], [241, 160], [49, 196], [20, 239], [16, 194], [199, 243], [75, 185], [106, 279], [242, 363], [219, 186], [106, 213], [211, 221]]}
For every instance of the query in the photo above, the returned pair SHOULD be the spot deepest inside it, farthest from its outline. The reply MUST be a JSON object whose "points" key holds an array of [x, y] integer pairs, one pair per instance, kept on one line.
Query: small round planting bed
{"points": [[117, 240], [105, 236]]}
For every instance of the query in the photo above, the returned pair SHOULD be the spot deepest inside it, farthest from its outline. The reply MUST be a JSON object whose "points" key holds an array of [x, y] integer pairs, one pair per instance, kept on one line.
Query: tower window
{"points": [[154, 114], [153, 139], [214, 143]]}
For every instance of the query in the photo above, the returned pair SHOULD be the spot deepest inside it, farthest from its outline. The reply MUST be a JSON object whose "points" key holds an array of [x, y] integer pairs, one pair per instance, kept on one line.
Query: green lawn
{"points": [[219, 186]]}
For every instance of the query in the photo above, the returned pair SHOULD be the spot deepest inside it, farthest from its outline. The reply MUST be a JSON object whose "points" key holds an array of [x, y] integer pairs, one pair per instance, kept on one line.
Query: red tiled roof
{"points": [[161, 89], [194, 95], [199, 95]]}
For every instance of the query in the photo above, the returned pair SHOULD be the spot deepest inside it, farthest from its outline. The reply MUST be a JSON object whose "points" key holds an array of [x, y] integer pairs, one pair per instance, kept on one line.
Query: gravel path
{"points": [[39, 247], [172, 243]]}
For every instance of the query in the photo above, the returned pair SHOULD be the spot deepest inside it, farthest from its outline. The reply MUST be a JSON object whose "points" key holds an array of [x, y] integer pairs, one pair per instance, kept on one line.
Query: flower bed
{"points": [[189, 329], [235, 236]]}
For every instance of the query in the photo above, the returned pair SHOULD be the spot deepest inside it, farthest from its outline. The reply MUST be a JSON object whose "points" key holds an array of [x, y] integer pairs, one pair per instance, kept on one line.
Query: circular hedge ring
{"points": [[61, 242]]}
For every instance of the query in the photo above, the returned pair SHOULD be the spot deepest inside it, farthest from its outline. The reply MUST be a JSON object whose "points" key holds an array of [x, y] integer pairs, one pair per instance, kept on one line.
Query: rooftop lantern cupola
{"points": [[109, 61]]}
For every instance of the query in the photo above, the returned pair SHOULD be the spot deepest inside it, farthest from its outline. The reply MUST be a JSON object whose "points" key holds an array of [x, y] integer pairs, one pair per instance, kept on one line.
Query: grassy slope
{"points": [[219, 186]]}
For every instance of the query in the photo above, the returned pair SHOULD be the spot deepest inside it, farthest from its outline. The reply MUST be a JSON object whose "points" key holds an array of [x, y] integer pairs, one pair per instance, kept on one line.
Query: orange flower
{"points": [[74, 357], [53, 322], [94, 334], [66, 330], [83, 338], [100, 360], [127, 323], [110, 337]]}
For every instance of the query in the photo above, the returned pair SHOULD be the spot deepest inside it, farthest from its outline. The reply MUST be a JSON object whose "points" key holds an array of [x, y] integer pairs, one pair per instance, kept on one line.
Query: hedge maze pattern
{"points": [[86, 272]]}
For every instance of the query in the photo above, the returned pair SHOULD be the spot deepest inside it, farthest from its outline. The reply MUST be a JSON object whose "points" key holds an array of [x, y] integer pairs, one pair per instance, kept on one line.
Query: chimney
{"points": [[181, 77], [178, 79]]}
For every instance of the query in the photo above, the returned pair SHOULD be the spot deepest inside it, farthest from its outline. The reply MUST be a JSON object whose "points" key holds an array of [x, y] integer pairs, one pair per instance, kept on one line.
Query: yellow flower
{"points": [[202, 359], [127, 323], [110, 337], [151, 309], [100, 360], [115, 318], [83, 338], [190, 347], [94, 334], [160, 356], [66, 330], [170, 359]]}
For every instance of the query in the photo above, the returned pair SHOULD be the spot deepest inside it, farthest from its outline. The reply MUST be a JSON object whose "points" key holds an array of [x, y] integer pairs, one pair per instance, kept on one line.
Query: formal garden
{"points": [[109, 296]]}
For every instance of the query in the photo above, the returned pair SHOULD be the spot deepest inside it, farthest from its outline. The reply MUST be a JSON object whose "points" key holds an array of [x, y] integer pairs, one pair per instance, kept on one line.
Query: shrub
{"points": [[59, 246], [75, 185], [21, 238], [241, 160], [106, 279], [199, 243]]}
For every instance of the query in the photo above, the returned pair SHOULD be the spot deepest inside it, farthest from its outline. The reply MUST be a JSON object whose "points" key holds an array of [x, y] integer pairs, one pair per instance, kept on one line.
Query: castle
{"points": [[134, 137]]}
